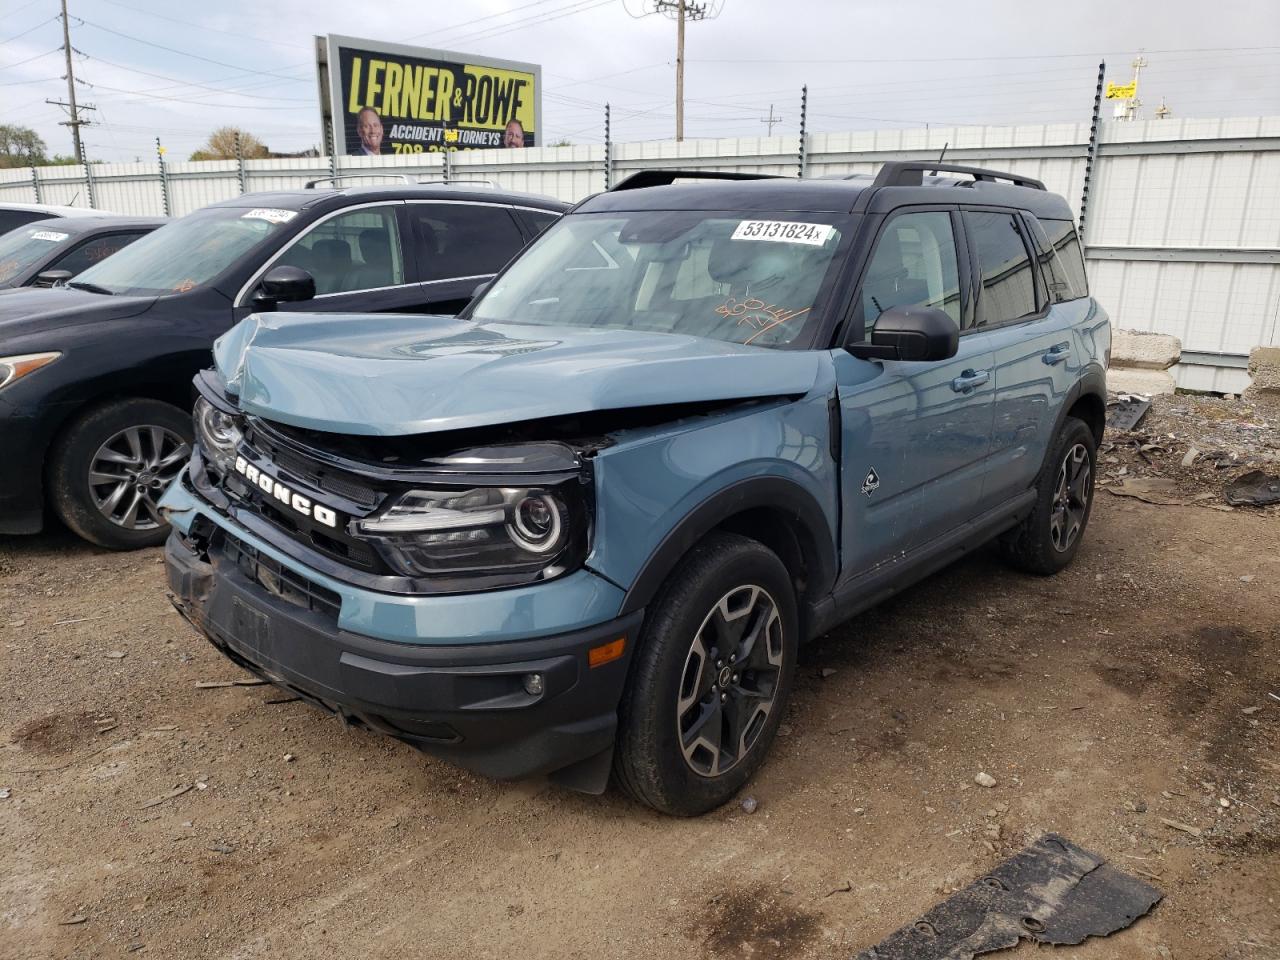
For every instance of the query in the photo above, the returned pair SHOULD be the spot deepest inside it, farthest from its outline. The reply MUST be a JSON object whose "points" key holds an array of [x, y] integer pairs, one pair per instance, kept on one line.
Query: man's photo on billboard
{"points": [[513, 136], [369, 130]]}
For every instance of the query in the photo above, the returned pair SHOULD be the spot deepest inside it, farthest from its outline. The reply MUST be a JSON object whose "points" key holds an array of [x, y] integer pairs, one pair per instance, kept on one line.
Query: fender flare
{"points": [[1092, 382], [775, 493]]}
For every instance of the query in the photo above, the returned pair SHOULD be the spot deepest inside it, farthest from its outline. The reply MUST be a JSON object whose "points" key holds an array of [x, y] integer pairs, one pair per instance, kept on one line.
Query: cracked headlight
{"points": [[518, 534], [218, 434]]}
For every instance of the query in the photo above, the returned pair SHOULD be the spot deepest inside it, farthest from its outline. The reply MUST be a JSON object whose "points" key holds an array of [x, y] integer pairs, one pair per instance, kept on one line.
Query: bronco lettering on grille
{"points": [[289, 497]]}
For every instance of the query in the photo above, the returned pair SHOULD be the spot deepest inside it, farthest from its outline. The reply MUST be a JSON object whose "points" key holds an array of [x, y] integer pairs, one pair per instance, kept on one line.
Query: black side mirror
{"points": [[51, 278], [911, 333], [284, 285]]}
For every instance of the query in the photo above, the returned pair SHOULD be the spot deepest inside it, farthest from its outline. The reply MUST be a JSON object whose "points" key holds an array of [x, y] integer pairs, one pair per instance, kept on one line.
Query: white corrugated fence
{"points": [[1182, 233]]}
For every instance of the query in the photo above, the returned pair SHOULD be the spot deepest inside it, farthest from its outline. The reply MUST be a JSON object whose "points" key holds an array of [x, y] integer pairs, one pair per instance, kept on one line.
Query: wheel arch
{"points": [[774, 511], [1086, 401]]}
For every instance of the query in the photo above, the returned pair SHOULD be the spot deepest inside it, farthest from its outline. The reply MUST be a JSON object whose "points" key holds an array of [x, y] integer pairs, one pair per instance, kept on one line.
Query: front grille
{"points": [[317, 475], [278, 580]]}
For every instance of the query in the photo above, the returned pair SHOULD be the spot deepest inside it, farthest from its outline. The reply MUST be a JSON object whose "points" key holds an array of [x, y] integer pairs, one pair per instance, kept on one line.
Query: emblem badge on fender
{"points": [[872, 483]]}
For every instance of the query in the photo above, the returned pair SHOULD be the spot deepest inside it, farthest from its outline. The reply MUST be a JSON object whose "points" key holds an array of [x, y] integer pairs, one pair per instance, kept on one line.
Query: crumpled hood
{"points": [[396, 375], [45, 310]]}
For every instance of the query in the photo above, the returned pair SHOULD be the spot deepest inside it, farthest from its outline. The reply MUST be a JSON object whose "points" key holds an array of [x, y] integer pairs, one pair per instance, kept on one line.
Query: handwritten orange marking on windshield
{"points": [[769, 326], [184, 286]]}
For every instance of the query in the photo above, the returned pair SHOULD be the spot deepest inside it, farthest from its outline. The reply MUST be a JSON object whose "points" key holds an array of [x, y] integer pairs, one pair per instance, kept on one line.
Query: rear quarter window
{"points": [[1061, 259]]}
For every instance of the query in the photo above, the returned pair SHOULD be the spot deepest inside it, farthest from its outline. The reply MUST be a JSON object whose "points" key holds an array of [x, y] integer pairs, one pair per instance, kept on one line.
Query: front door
{"points": [[915, 435], [361, 260]]}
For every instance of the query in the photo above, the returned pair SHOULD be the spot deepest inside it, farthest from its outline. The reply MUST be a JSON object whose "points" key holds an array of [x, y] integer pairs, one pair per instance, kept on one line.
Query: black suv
{"points": [[95, 376]]}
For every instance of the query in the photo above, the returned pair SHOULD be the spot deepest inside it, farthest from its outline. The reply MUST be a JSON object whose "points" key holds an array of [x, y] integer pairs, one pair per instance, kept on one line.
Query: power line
{"points": [[579, 6], [28, 30], [239, 35], [183, 53], [194, 83]]}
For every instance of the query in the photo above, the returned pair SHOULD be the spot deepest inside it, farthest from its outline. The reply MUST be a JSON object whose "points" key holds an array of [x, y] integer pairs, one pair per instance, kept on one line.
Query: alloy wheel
{"points": [[1071, 498], [131, 470], [730, 680]]}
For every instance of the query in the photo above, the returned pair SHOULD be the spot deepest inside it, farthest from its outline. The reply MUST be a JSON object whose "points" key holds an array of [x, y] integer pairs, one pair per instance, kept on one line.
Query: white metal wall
{"points": [[1182, 234]]}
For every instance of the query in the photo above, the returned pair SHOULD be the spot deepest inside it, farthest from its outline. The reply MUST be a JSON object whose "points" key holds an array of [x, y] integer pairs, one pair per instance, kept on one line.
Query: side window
{"points": [[359, 250], [1008, 280], [539, 220], [1062, 262], [465, 240], [914, 264], [95, 250], [12, 219]]}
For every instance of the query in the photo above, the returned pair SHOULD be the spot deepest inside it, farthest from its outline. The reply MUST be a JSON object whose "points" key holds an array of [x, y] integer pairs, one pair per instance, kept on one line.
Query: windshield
{"points": [[23, 248], [758, 279], [186, 253]]}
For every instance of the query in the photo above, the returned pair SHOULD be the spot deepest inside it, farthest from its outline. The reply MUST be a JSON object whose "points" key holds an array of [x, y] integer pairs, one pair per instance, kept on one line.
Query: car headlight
{"points": [[218, 433], [521, 534], [15, 368]]}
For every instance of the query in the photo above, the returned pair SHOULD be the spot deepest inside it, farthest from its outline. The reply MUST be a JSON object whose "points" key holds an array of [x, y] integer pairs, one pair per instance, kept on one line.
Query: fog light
{"points": [[533, 684]]}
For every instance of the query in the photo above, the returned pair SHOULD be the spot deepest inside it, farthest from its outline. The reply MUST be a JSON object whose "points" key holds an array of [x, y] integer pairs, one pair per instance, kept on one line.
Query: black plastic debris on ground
{"points": [[1253, 489], [1052, 892], [1126, 412]]}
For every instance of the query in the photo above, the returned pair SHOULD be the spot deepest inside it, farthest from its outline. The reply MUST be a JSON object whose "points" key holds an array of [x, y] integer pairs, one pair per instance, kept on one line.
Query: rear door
{"points": [[1031, 340], [915, 435], [460, 246]]}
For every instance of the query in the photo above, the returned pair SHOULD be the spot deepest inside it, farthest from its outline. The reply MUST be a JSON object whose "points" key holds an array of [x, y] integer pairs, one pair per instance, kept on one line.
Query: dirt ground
{"points": [[141, 813]]}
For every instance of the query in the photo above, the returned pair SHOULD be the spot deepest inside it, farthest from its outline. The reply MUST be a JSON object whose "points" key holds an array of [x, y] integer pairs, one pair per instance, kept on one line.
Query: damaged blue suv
{"points": [[581, 529]]}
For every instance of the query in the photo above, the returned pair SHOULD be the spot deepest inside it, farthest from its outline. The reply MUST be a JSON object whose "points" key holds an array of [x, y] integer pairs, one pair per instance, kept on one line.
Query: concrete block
{"points": [[1151, 382], [1264, 371], [1144, 351]]}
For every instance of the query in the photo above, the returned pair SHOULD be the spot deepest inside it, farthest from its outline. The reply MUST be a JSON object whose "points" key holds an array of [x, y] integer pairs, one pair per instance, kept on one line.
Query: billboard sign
{"points": [[384, 98], [1122, 91]]}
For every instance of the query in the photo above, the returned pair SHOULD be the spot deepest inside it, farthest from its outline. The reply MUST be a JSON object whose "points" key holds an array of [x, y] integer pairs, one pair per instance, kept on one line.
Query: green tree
{"points": [[221, 145], [21, 147]]}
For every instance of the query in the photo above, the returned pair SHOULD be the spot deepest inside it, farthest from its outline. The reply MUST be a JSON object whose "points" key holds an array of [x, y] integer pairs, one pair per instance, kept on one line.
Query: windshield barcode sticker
{"points": [[783, 231], [269, 215], [51, 235]]}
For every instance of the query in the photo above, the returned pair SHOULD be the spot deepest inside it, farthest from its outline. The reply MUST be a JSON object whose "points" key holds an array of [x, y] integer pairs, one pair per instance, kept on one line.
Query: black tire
{"points": [[1040, 544], [715, 579], [75, 453]]}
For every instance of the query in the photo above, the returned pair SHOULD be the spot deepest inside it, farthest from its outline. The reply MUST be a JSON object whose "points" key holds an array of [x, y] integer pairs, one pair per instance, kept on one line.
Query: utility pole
{"points": [[1128, 109], [75, 122], [681, 10], [771, 119]]}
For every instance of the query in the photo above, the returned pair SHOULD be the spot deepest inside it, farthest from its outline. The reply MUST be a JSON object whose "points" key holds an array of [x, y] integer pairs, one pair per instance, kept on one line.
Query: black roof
{"points": [[79, 226], [344, 196], [856, 193]]}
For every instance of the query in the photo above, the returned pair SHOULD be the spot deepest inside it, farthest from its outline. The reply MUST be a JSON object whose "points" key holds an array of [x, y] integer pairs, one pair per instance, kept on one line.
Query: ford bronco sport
{"points": [[582, 528]]}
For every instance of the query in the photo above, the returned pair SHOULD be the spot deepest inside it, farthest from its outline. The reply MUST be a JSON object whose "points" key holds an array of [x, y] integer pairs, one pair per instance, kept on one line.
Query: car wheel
{"points": [[1047, 540], [109, 468], [711, 678]]}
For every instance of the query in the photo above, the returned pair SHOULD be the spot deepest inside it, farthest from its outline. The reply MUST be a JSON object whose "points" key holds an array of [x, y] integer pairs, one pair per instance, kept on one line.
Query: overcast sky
{"points": [[156, 68]]}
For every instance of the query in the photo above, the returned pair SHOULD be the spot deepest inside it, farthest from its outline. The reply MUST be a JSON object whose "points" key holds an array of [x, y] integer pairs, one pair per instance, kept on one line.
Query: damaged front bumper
{"points": [[506, 709]]}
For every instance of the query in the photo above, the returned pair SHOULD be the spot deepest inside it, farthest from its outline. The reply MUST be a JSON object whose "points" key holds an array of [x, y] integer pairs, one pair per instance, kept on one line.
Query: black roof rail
{"points": [[910, 173], [663, 178]]}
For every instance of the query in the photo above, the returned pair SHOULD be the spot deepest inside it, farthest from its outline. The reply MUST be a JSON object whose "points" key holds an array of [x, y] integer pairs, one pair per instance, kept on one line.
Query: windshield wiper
{"points": [[91, 287]]}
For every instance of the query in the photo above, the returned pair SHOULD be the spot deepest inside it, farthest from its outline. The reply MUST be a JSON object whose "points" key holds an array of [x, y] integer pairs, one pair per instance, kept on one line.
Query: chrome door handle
{"points": [[1057, 353], [970, 380]]}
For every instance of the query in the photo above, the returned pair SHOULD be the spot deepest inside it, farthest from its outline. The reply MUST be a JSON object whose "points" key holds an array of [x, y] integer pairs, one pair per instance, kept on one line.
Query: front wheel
{"points": [[1047, 540], [109, 468], [711, 678]]}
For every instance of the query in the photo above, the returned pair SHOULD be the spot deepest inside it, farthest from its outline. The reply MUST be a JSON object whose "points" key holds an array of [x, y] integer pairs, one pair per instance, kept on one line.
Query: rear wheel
{"points": [[1047, 540], [711, 678], [108, 470]]}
